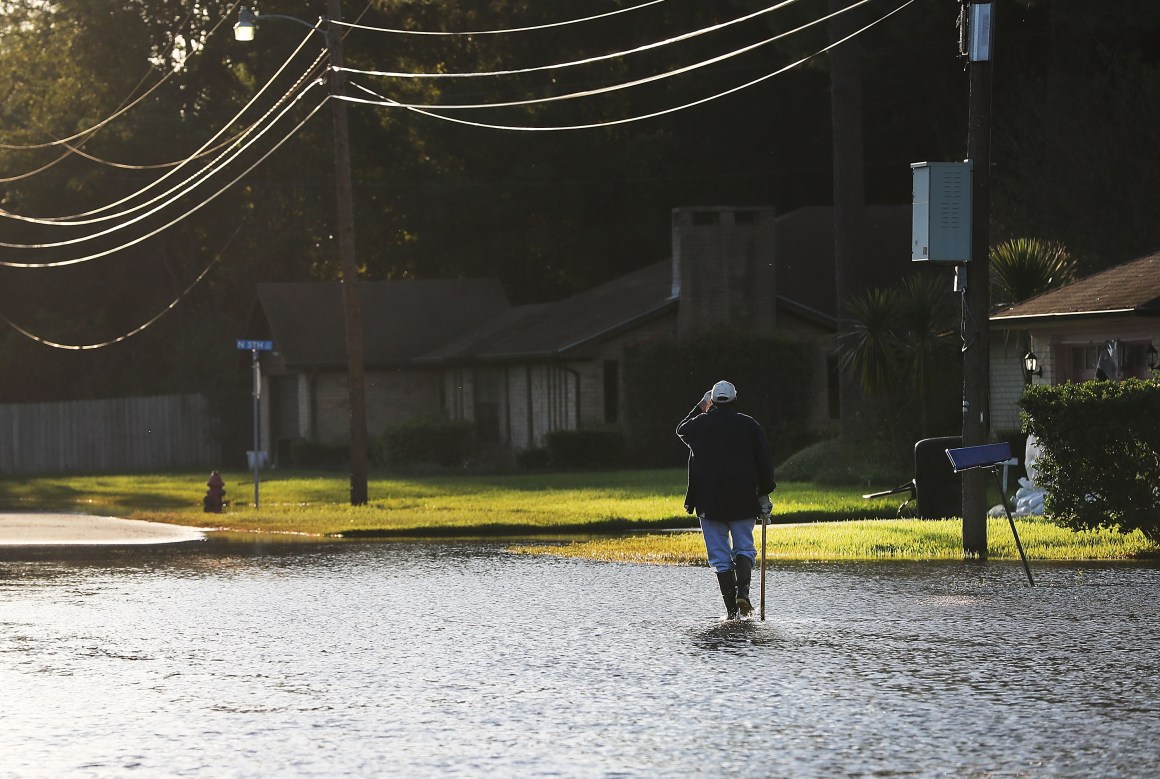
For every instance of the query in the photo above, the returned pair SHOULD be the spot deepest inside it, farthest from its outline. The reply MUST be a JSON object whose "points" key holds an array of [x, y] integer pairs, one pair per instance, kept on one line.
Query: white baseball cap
{"points": [[723, 392]]}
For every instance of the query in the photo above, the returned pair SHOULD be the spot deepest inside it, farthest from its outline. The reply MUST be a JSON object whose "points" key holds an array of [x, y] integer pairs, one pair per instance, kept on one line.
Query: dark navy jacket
{"points": [[730, 463]]}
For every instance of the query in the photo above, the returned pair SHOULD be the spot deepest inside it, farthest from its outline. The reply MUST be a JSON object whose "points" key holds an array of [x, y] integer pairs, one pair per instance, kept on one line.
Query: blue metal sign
{"points": [[258, 346]]}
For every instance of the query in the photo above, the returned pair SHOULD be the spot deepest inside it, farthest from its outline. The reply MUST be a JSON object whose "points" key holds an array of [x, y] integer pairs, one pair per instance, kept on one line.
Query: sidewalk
{"points": [[17, 529]]}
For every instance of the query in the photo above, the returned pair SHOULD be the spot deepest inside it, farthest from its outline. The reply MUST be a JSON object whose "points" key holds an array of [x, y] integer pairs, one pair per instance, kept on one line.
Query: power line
{"points": [[641, 81], [550, 25], [167, 225], [125, 336], [70, 150], [387, 102], [124, 109], [79, 219], [145, 325], [586, 61], [185, 188]]}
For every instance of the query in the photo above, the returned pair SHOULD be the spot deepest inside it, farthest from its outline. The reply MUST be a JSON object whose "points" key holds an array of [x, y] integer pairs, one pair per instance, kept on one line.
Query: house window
{"points": [[611, 391], [1131, 362], [1134, 361], [488, 392]]}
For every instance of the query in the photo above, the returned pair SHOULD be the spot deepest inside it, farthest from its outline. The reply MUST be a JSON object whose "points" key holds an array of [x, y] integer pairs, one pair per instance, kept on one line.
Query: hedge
{"points": [[1100, 453], [586, 448], [424, 440]]}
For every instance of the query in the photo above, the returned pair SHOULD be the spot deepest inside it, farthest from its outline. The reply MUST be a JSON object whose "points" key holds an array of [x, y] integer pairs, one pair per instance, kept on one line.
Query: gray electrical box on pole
{"points": [[940, 212]]}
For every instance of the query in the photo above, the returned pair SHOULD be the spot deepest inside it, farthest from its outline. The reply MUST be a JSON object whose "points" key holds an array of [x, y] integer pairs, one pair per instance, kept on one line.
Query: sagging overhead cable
{"points": [[588, 60], [432, 111], [83, 217], [550, 25], [180, 217]]}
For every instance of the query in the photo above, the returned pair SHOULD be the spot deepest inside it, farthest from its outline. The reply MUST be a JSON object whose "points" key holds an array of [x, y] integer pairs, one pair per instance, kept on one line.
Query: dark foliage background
{"points": [[1077, 91], [776, 384]]}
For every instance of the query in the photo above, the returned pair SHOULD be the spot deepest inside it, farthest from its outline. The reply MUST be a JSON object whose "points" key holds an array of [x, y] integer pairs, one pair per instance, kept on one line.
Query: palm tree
{"points": [[894, 338], [925, 329], [1022, 268], [867, 348]]}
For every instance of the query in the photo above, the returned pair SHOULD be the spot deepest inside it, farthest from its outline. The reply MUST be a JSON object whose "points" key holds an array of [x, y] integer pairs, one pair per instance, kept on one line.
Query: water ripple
{"points": [[453, 659]]}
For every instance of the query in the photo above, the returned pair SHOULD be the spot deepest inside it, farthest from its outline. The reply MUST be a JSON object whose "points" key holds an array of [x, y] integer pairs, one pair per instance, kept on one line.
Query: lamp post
{"points": [[352, 312]]}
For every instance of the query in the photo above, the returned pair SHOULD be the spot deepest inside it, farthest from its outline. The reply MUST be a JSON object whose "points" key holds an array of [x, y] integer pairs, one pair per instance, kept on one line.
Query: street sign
{"points": [[255, 455]]}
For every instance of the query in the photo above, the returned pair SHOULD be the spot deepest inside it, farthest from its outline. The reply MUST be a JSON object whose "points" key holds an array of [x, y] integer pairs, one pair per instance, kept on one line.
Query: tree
{"points": [[899, 345], [1076, 126], [1024, 267]]}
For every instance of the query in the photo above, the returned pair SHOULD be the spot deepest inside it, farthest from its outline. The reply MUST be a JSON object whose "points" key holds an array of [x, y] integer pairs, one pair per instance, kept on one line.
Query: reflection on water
{"points": [[371, 659]]}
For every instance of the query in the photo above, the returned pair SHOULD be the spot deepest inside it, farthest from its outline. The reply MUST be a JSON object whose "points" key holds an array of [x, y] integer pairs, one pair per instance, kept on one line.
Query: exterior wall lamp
{"points": [[1153, 357], [1031, 365]]}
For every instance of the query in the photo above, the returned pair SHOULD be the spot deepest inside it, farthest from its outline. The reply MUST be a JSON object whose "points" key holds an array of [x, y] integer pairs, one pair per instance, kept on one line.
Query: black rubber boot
{"points": [[728, 583], [744, 567]]}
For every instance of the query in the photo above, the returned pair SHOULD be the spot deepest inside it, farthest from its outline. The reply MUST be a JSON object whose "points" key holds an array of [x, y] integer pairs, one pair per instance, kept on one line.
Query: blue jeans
{"points": [[717, 544]]}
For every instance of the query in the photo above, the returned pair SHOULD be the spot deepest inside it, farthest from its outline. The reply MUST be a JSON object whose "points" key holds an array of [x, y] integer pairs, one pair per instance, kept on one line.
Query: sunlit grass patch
{"points": [[826, 522], [871, 540]]}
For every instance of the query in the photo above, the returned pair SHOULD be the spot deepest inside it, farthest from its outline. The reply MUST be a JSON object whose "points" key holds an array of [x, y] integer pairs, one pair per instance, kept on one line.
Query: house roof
{"points": [[437, 321], [554, 329], [1129, 289], [401, 319]]}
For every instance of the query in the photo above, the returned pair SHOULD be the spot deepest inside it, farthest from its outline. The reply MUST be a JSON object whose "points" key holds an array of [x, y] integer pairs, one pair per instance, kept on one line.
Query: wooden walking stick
{"points": [[761, 587]]}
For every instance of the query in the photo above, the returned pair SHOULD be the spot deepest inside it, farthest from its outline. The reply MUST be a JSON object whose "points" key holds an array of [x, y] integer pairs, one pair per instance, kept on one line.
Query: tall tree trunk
{"points": [[849, 191]]}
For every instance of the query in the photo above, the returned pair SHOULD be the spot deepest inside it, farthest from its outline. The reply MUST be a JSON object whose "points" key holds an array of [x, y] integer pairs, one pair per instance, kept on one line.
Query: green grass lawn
{"points": [[829, 522], [317, 503], [872, 540]]}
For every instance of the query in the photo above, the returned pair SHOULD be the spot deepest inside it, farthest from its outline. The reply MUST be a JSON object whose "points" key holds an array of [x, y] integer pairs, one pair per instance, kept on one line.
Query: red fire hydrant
{"points": [[215, 494]]}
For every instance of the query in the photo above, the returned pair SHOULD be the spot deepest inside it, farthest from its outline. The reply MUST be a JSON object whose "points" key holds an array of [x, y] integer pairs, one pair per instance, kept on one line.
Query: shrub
{"points": [[1100, 458], [586, 448], [869, 464], [424, 440]]}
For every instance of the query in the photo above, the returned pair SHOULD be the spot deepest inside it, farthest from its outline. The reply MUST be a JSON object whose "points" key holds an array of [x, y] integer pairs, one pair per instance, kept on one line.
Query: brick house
{"points": [[1109, 320], [458, 348], [304, 381]]}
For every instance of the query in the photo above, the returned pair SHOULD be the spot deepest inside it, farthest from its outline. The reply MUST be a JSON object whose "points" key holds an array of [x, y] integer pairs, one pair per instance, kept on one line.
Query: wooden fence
{"points": [[159, 433]]}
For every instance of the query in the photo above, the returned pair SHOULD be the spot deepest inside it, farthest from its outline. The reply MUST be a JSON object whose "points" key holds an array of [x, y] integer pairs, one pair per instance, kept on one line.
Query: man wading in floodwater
{"points": [[730, 478]]}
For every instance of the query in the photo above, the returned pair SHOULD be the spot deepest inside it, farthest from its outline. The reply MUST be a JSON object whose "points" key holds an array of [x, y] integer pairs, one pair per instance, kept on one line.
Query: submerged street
{"points": [[228, 659]]}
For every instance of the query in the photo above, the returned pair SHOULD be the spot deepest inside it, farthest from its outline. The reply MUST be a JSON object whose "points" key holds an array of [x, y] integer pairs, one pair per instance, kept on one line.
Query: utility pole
{"points": [[977, 37], [352, 311]]}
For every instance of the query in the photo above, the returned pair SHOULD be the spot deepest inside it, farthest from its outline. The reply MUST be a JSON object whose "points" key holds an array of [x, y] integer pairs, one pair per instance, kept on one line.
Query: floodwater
{"points": [[218, 659]]}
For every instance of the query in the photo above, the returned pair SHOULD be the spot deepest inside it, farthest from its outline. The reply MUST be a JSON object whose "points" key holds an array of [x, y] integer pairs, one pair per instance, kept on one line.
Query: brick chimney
{"points": [[723, 270]]}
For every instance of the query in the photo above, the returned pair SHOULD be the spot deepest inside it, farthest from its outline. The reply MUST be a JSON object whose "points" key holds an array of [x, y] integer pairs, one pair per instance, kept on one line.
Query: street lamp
{"points": [[244, 29], [352, 314]]}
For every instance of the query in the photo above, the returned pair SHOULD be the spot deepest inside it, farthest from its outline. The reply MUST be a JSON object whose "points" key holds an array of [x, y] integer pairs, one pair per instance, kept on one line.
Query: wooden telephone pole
{"points": [[977, 36], [352, 311]]}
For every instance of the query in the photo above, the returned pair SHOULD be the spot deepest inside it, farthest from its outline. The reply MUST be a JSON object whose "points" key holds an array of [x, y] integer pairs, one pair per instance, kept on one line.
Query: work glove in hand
{"points": [[766, 506]]}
